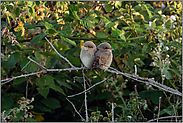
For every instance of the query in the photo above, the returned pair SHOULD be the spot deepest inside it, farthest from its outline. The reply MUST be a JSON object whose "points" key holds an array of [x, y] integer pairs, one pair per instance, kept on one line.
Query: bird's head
{"points": [[105, 46], [89, 45]]}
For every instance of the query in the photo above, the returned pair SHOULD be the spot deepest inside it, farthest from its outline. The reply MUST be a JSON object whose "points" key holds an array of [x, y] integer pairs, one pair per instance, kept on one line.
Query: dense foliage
{"points": [[145, 34]]}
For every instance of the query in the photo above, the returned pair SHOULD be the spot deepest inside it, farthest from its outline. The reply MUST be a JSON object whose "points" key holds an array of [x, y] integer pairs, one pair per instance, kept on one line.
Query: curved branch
{"points": [[60, 54]]}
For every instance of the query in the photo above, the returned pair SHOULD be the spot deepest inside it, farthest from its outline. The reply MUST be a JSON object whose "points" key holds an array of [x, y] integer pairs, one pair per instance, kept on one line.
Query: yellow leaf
{"points": [[23, 31], [19, 27], [137, 59]]}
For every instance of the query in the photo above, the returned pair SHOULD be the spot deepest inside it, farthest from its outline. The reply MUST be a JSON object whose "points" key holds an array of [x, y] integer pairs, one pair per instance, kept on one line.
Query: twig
{"points": [[86, 109], [26, 92], [112, 112], [135, 69], [25, 65], [138, 104], [10, 79], [60, 54], [90, 87], [75, 109], [37, 63], [163, 118], [175, 113], [2, 118], [159, 108]]}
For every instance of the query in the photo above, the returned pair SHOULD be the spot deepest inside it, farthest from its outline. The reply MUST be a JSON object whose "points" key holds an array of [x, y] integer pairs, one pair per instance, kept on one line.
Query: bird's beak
{"points": [[111, 49]]}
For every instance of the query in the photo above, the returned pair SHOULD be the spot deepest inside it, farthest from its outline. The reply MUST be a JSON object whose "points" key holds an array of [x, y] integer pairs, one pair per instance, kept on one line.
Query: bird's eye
{"points": [[90, 46], [105, 48]]}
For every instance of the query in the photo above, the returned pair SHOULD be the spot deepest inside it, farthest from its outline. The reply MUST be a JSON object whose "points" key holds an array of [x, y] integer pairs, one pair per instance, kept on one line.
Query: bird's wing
{"points": [[100, 58]]}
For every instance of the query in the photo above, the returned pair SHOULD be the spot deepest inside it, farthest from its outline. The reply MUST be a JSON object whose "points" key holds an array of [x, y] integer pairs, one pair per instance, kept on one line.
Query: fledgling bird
{"points": [[103, 56], [87, 54]]}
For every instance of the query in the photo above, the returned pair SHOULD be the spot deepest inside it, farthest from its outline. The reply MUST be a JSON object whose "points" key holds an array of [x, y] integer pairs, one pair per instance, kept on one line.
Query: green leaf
{"points": [[140, 29], [61, 82], [176, 72], [126, 44], [117, 32], [44, 91], [50, 62], [19, 81], [51, 103], [149, 12], [49, 26], [75, 15], [41, 82], [13, 59], [38, 56], [145, 94], [153, 25], [49, 80], [29, 26], [103, 95], [43, 108], [155, 96], [17, 12], [37, 38], [169, 110], [109, 24], [100, 34], [86, 24], [109, 7], [147, 25], [68, 40], [30, 120], [6, 103], [57, 88], [168, 74], [66, 31], [31, 67], [146, 48]]}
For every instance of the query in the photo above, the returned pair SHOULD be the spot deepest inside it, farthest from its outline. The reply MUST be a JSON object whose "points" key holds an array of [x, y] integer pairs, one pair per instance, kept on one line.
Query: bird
{"points": [[103, 56], [87, 54]]}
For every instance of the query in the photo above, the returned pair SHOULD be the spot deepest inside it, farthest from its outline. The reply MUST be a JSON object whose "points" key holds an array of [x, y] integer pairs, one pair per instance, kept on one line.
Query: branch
{"points": [[7, 80], [112, 112], [163, 118], [36, 63], [159, 108], [138, 104], [75, 109], [146, 81], [60, 54], [86, 109], [175, 113], [90, 87]]}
